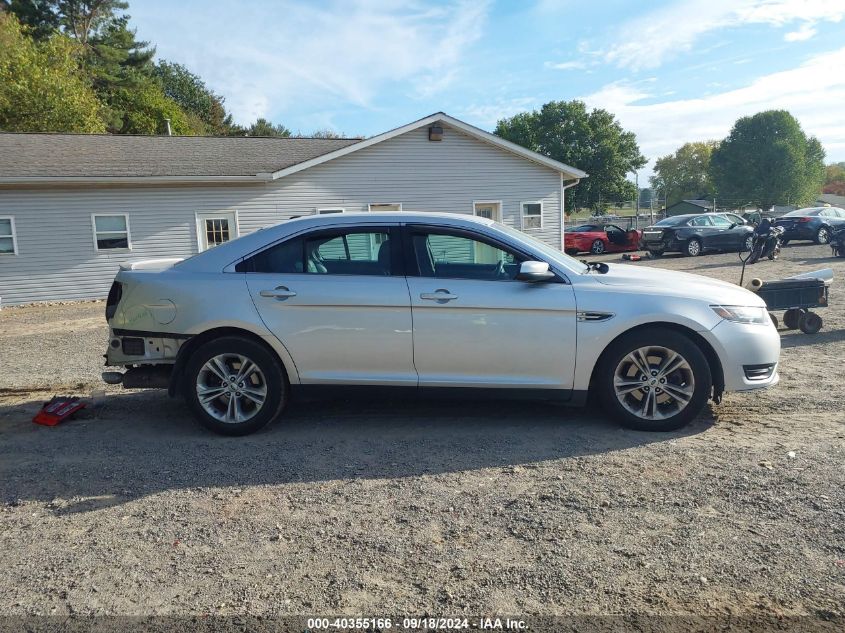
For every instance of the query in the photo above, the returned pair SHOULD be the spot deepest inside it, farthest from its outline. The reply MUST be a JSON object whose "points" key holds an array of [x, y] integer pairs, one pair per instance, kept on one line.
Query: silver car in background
{"points": [[429, 300]]}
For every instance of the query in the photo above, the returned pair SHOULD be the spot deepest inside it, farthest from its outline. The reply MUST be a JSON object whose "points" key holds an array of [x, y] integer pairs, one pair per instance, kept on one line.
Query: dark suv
{"points": [[693, 234], [816, 224]]}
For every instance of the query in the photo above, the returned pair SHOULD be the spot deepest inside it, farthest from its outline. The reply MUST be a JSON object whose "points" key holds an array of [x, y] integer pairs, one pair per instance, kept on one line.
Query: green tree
{"points": [[82, 18], [263, 127], [685, 174], [834, 179], [589, 140], [767, 159], [40, 17], [195, 98], [41, 86]]}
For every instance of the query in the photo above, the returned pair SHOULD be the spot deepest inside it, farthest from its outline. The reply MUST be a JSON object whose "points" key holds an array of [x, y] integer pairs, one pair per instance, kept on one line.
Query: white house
{"points": [[72, 206]]}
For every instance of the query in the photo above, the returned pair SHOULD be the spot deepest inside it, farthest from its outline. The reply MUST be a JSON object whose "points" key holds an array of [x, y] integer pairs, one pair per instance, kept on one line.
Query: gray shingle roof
{"points": [[103, 155]]}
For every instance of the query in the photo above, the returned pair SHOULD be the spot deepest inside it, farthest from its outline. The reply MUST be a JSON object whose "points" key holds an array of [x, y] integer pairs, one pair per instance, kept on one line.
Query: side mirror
{"points": [[533, 272], [733, 225]]}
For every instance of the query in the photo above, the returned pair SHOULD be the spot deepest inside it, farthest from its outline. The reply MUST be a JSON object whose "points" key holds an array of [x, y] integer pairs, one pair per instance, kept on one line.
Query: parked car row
{"points": [[696, 234]]}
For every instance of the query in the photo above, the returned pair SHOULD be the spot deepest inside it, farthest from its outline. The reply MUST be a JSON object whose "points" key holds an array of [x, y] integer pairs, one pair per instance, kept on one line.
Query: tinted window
{"points": [[720, 221], [671, 221], [701, 220], [335, 253], [735, 219], [802, 213], [457, 257], [584, 228]]}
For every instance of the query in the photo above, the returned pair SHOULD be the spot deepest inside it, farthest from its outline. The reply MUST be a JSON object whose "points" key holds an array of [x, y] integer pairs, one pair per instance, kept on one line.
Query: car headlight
{"points": [[742, 314]]}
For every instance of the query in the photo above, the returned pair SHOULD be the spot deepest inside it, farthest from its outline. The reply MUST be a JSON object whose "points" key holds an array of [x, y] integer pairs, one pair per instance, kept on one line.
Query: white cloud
{"points": [[678, 28], [804, 32], [339, 53], [811, 92], [490, 112], [570, 65]]}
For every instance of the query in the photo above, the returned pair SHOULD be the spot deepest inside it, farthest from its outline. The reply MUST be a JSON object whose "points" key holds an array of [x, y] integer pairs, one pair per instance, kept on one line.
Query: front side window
{"points": [[8, 240], [111, 232], [445, 256], [532, 215], [332, 253], [720, 221]]}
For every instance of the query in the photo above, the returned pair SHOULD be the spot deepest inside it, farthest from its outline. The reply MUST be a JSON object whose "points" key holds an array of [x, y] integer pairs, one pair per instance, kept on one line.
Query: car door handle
{"points": [[441, 294], [280, 292]]}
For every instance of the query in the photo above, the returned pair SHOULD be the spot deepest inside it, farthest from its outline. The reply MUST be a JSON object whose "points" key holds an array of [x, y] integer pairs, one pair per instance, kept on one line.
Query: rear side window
{"points": [[334, 253]]}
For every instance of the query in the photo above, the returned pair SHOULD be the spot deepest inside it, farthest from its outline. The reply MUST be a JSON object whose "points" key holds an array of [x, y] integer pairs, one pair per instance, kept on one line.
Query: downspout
{"points": [[563, 205]]}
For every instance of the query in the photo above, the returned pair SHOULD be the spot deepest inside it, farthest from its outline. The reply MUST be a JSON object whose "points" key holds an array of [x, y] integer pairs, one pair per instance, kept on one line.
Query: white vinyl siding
{"points": [[8, 241], [425, 176], [111, 232]]}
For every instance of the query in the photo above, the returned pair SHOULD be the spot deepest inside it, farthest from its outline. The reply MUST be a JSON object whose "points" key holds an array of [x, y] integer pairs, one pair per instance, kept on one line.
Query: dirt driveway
{"points": [[412, 507]]}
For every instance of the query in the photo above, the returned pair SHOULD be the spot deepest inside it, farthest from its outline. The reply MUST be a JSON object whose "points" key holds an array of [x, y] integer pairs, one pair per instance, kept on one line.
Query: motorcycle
{"points": [[837, 243], [766, 242]]}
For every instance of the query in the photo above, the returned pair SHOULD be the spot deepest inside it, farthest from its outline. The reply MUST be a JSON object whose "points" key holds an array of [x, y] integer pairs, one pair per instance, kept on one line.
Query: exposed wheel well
{"points": [[195, 342], [716, 371]]}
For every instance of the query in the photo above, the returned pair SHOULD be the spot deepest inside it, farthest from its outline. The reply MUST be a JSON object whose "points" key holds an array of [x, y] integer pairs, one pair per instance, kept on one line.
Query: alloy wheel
{"points": [[654, 382], [597, 248], [694, 247], [822, 237], [231, 388]]}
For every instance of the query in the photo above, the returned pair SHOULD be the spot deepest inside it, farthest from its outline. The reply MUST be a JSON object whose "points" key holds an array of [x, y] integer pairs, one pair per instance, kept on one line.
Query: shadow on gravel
{"points": [[141, 443], [796, 338]]}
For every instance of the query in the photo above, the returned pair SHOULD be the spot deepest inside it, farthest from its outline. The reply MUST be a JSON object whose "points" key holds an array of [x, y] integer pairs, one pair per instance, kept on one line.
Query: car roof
{"points": [[216, 258]]}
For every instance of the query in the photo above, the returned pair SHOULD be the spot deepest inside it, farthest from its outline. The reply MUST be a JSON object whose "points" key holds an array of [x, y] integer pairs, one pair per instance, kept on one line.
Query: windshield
{"points": [[671, 221], [544, 249], [802, 213]]}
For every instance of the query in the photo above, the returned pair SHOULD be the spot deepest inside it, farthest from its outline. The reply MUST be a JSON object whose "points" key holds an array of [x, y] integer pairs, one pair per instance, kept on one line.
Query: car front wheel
{"points": [[597, 247], [654, 380], [234, 386], [822, 236]]}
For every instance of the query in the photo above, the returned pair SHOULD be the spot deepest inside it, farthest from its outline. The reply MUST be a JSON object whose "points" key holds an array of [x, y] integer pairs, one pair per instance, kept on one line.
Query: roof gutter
{"points": [[563, 188]]}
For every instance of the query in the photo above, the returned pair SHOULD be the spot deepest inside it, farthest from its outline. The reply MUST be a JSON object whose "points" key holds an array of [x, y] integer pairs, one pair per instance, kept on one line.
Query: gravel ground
{"points": [[422, 507]]}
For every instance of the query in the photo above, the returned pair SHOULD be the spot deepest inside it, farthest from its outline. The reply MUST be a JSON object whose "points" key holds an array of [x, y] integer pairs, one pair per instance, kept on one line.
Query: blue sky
{"points": [[671, 71]]}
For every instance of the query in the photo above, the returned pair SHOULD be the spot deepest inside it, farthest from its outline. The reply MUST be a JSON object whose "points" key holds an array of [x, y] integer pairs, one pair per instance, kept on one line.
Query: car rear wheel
{"points": [[597, 247], [822, 235], [654, 380], [234, 386], [693, 247]]}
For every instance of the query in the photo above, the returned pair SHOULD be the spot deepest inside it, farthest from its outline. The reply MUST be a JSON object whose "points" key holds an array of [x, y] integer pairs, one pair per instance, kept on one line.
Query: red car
{"points": [[600, 238]]}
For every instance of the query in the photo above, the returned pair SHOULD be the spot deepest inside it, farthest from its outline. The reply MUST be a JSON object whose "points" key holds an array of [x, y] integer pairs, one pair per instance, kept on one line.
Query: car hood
{"points": [[678, 283]]}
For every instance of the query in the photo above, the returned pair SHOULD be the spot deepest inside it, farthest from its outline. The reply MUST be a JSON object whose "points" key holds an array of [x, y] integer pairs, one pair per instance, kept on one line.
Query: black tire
{"points": [[597, 247], [775, 253], [810, 323], [822, 235], [784, 242], [774, 319], [612, 359], [693, 247], [791, 319], [571, 251], [272, 378], [655, 253]]}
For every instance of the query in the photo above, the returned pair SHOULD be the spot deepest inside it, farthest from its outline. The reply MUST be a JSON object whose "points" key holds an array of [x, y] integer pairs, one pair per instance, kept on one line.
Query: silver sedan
{"points": [[424, 300]]}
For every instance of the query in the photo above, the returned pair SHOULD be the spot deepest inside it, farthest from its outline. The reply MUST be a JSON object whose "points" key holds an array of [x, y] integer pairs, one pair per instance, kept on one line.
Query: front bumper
{"points": [[744, 349]]}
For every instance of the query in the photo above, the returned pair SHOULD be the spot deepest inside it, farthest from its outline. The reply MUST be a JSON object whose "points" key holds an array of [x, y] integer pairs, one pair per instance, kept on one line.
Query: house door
{"points": [[216, 227]]}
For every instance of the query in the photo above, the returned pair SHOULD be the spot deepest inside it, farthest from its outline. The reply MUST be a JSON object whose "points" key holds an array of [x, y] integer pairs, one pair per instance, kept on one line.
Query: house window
{"points": [[215, 228], [385, 206], [111, 232], [532, 215], [329, 210], [8, 239], [490, 209]]}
